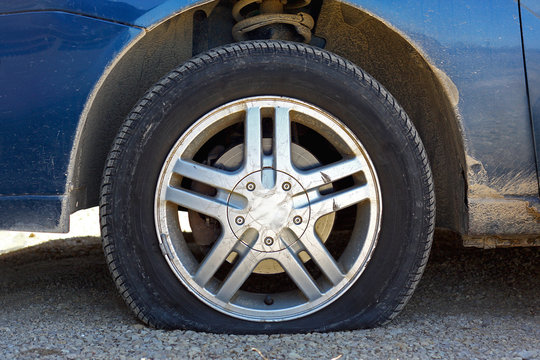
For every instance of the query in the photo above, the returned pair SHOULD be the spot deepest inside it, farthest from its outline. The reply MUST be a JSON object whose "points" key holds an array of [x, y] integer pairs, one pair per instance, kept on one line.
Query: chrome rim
{"points": [[260, 223]]}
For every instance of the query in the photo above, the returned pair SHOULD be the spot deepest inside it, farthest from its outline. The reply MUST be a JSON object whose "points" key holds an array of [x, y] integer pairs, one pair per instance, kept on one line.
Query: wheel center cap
{"points": [[268, 210]]}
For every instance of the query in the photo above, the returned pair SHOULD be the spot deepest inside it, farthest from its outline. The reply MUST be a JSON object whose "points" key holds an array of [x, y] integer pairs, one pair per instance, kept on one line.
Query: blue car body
{"points": [[61, 62]]}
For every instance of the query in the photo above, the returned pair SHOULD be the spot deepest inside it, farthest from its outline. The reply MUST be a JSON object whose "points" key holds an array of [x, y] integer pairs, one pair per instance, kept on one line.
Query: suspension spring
{"points": [[252, 15]]}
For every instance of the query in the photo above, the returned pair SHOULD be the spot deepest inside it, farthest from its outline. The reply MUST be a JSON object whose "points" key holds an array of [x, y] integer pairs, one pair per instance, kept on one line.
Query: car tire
{"points": [[272, 151]]}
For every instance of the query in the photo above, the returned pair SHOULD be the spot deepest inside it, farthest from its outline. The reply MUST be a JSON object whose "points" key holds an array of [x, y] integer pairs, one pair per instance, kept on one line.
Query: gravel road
{"points": [[58, 301]]}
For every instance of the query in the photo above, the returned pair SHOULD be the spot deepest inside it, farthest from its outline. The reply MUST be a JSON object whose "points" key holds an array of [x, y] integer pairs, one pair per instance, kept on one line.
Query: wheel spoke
{"points": [[329, 173], [214, 207], [294, 267], [318, 252], [340, 200], [282, 140], [238, 275], [205, 174], [215, 258], [253, 140]]}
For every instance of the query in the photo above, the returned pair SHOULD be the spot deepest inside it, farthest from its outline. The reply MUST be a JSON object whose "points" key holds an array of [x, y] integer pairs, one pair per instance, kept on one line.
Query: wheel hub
{"points": [[232, 159], [278, 217]]}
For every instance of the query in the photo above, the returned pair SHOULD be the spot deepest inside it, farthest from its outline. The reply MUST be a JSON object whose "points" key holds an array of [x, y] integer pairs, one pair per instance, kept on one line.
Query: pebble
{"points": [[528, 355], [293, 355]]}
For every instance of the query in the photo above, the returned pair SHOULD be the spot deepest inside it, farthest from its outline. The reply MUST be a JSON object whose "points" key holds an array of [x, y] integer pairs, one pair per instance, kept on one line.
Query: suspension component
{"points": [[272, 15]]}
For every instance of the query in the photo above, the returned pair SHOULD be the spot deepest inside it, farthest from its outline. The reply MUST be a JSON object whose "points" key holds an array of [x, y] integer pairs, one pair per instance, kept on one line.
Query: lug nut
{"points": [[297, 220], [268, 241], [286, 186], [250, 186], [239, 220]]}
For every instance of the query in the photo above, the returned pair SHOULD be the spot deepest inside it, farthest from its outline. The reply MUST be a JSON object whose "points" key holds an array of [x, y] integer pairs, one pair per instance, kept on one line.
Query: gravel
{"points": [[58, 301]]}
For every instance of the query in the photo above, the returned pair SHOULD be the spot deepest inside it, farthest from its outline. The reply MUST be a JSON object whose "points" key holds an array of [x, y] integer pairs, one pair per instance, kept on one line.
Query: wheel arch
{"points": [[425, 92], [141, 64]]}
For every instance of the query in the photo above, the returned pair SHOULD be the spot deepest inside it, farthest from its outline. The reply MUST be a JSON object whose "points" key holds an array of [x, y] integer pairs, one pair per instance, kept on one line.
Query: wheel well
{"points": [[426, 94]]}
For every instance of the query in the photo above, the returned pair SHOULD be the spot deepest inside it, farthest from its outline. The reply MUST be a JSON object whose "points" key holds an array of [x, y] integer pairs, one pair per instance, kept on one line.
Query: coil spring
{"points": [[271, 12]]}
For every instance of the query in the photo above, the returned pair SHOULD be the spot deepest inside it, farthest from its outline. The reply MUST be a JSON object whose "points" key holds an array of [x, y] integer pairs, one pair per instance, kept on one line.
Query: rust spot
{"points": [[534, 212], [490, 216], [483, 191], [505, 241]]}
